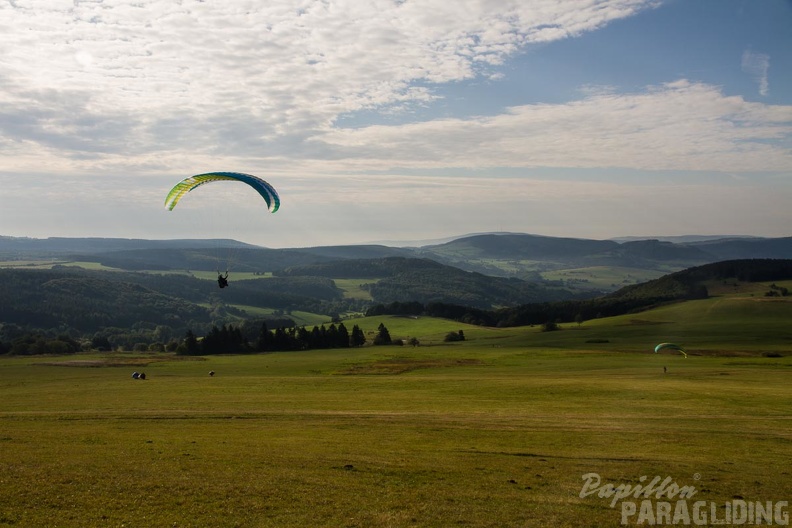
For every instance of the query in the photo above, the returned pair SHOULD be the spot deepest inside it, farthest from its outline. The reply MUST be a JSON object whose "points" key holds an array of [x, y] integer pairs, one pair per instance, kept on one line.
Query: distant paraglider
{"points": [[670, 346], [188, 184]]}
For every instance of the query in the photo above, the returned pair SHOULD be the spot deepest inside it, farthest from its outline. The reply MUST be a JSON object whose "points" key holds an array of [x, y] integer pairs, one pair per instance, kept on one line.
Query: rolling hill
{"points": [[690, 284], [402, 279], [79, 302], [505, 254]]}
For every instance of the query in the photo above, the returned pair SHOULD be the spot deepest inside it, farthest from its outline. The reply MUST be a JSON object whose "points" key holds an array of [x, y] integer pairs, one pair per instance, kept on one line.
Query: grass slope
{"points": [[496, 431]]}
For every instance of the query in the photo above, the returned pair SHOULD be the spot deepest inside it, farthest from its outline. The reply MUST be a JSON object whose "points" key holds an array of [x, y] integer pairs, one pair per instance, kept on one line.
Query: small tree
{"points": [[358, 338], [342, 339], [190, 346], [550, 326], [101, 342], [383, 336], [454, 336], [264, 340]]}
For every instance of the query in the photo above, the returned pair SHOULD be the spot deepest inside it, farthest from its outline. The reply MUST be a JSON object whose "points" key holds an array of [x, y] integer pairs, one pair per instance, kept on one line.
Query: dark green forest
{"points": [[65, 309]]}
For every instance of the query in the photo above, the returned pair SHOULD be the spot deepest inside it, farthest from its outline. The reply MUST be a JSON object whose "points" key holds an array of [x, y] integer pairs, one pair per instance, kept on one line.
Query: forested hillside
{"points": [[145, 306], [424, 280], [87, 302], [680, 286]]}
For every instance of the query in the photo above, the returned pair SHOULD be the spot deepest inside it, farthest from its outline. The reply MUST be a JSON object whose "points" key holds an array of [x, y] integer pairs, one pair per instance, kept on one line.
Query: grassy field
{"points": [[496, 431], [353, 288], [50, 263], [300, 318], [606, 278]]}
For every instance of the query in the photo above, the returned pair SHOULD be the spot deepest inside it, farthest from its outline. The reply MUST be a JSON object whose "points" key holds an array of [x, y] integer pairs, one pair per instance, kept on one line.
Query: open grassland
{"points": [[300, 318], [50, 263], [606, 278], [353, 288], [496, 431]]}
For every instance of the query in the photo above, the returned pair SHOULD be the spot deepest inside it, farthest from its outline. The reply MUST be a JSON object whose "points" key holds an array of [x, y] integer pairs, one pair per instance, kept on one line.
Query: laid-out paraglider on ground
{"points": [[670, 346]]}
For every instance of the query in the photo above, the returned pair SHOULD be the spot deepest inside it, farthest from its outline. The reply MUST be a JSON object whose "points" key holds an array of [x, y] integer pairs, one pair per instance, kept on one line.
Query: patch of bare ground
{"points": [[402, 365], [118, 361], [641, 322]]}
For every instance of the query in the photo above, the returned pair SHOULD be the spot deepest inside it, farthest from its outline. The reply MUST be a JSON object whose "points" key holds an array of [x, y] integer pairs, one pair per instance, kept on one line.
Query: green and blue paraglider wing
{"points": [[671, 346], [188, 184]]}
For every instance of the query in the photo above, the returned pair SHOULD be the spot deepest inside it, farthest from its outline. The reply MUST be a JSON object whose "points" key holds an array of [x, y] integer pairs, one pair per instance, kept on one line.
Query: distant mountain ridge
{"points": [[516, 246], [102, 245], [495, 254], [682, 239]]}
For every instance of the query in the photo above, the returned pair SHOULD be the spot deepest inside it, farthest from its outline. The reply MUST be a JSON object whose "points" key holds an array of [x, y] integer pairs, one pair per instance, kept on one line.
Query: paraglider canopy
{"points": [[188, 184], [221, 212], [671, 346]]}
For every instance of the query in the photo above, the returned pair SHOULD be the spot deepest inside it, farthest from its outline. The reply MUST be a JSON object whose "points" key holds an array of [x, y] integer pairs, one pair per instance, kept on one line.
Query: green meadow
{"points": [[495, 431], [50, 263], [605, 278]]}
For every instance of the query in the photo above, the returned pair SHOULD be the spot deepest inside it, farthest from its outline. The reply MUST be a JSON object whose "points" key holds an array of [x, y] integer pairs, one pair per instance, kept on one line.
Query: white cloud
{"points": [[102, 93], [159, 85], [757, 65], [677, 126], [162, 81]]}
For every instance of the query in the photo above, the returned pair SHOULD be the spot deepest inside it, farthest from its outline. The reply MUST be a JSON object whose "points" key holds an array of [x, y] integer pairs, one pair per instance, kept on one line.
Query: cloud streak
{"points": [[757, 65], [677, 126]]}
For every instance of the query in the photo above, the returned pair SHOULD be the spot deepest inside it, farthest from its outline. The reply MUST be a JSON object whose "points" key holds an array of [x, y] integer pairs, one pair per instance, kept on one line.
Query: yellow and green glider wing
{"points": [[188, 184]]}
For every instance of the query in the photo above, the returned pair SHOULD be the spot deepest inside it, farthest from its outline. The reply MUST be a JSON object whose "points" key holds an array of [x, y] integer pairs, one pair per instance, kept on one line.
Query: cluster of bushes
{"points": [[454, 336], [777, 291], [30, 344]]}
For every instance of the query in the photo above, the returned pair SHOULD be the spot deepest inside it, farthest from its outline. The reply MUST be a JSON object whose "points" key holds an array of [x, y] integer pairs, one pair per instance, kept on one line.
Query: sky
{"points": [[396, 121]]}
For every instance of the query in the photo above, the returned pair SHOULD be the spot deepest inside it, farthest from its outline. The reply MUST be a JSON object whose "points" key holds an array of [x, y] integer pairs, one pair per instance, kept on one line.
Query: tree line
{"points": [[225, 339], [228, 339]]}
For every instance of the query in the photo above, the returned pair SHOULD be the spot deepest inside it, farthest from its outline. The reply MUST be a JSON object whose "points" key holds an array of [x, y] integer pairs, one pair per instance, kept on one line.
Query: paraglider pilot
{"points": [[222, 281]]}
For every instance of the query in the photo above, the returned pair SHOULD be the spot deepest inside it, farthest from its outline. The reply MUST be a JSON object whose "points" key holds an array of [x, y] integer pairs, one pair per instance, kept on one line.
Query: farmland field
{"points": [[602, 277], [497, 430]]}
